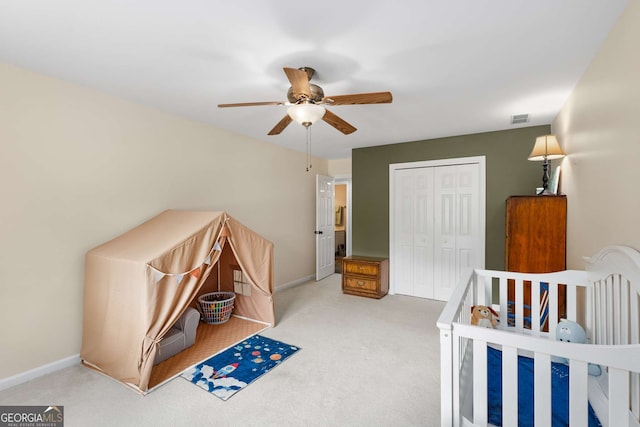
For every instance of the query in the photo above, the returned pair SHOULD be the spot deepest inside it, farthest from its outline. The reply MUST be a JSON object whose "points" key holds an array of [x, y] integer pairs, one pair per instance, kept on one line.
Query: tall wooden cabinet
{"points": [[536, 236]]}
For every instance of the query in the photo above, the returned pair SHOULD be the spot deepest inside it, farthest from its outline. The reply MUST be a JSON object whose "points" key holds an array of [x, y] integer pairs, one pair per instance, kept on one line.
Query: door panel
{"points": [[422, 233], [404, 230], [445, 230]]}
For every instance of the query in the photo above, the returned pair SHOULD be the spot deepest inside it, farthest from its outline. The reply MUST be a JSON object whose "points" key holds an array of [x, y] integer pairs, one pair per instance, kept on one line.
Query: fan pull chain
{"points": [[308, 147]]}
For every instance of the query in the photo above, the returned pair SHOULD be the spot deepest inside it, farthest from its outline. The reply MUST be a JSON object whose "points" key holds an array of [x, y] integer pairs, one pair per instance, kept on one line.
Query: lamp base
{"points": [[545, 192], [545, 179]]}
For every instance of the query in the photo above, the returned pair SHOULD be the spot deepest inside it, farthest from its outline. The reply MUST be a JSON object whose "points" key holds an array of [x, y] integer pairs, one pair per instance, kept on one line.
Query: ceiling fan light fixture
{"points": [[306, 114]]}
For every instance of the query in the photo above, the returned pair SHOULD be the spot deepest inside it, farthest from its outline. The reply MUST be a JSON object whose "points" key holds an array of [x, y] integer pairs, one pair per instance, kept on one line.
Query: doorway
{"points": [[437, 224], [340, 204]]}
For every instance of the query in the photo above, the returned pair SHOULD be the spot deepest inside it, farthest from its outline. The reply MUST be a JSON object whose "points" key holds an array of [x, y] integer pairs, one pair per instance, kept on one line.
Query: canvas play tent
{"points": [[138, 284]]}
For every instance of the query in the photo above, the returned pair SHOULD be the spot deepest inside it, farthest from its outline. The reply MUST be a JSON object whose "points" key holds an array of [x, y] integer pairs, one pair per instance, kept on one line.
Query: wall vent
{"points": [[517, 119]]}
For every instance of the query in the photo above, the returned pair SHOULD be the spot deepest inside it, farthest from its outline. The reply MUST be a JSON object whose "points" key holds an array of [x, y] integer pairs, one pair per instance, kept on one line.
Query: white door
{"points": [[456, 229], [325, 249], [414, 232], [436, 225]]}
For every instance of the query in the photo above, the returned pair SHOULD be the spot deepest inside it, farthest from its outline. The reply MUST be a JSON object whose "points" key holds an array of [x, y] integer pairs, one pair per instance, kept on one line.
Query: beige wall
{"points": [[78, 167], [600, 133], [340, 168]]}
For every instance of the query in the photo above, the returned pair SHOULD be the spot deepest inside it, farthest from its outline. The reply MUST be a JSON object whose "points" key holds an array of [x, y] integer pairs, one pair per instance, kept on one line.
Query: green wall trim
{"points": [[507, 168]]}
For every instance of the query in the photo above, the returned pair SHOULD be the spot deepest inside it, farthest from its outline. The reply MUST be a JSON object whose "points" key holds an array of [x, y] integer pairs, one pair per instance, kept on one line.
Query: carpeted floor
{"points": [[365, 362]]}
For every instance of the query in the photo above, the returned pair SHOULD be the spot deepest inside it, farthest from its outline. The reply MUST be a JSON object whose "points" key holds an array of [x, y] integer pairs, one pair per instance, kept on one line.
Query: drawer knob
{"points": [[360, 283]]}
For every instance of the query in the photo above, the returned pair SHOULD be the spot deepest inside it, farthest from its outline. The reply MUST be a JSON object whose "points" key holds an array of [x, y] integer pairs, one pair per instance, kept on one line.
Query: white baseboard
{"points": [[296, 282], [23, 377]]}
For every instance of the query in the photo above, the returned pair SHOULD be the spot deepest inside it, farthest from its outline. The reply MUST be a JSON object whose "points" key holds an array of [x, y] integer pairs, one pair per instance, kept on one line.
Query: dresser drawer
{"points": [[361, 284], [365, 268]]}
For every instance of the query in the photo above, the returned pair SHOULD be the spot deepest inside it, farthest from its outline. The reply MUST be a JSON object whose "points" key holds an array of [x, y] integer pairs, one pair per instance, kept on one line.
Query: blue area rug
{"points": [[228, 372]]}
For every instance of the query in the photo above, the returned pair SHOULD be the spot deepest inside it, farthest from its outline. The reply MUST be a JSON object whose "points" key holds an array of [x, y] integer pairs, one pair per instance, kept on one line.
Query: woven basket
{"points": [[216, 307]]}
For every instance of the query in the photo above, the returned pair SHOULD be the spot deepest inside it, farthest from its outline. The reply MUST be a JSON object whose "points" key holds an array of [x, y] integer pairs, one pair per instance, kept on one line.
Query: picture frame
{"points": [[554, 181]]}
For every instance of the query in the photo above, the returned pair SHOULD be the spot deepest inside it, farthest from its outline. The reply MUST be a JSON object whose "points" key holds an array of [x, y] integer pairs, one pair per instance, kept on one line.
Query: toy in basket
{"points": [[216, 307]]}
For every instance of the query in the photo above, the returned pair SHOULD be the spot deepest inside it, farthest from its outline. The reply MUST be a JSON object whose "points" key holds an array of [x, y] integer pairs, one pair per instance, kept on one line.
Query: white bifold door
{"points": [[437, 225]]}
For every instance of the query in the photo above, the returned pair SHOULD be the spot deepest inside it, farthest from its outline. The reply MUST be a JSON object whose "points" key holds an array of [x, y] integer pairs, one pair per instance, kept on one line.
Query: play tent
{"points": [[138, 284]]}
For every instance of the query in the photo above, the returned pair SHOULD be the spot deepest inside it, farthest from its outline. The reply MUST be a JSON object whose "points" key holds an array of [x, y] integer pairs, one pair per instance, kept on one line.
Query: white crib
{"points": [[604, 299]]}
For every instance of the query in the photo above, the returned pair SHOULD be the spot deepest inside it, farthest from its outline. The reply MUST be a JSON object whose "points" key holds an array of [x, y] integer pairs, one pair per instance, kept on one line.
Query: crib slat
{"points": [[553, 309], [504, 302], [571, 302], [480, 383], [600, 312], [590, 305], [510, 386], [634, 307], [611, 310], [618, 397], [542, 389], [578, 404], [618, 318], [624, 314], [488, 289], [535, 307], [519, 305]]}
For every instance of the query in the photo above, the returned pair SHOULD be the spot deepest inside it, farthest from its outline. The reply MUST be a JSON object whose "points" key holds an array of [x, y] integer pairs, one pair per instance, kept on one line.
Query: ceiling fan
{"points": [[307, 100]]}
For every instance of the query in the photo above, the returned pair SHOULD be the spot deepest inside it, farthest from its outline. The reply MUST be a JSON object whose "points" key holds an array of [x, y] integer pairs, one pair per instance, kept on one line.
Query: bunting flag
{"points": [[196, 272], [157, 275]]}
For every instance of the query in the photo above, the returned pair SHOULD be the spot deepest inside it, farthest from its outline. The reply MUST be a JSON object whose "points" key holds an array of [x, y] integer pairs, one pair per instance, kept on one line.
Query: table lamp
{"points": [[546, 148]]}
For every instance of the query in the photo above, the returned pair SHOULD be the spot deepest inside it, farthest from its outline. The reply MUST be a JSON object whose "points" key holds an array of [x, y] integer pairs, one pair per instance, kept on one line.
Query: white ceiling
{"points": [[454, 66]]}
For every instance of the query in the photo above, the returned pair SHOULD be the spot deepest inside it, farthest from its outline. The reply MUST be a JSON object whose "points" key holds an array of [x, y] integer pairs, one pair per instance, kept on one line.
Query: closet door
{"points": [[456, 225], [437, 228], [414, 232]]}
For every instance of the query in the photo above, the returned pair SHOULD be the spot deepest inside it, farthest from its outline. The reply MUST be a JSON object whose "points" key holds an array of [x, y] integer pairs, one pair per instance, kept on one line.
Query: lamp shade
{"points": [[306, 114], [546, 147]]}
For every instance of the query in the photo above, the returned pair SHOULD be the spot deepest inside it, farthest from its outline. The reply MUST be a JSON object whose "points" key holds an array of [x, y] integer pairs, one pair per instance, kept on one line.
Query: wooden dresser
{"points": [[365, 276], [536, 229]]}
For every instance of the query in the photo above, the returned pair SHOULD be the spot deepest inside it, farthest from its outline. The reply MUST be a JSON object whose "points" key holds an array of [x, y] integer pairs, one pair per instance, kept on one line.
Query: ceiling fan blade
{"points": [[299, 80], [281, 125], [338, 123], [251, 104], [359, 98]]}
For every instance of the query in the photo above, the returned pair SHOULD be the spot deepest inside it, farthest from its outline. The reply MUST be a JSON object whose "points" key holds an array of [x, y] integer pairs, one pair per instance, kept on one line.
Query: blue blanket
{"points": [[559, 392]]}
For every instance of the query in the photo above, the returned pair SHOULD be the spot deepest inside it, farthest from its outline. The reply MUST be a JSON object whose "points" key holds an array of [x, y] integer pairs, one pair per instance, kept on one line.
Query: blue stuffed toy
{"points": [[570, 331]]}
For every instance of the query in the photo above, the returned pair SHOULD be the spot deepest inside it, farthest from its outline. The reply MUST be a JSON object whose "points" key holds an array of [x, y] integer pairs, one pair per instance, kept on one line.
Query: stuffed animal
{"points": [[484, 316], [570, 331]]}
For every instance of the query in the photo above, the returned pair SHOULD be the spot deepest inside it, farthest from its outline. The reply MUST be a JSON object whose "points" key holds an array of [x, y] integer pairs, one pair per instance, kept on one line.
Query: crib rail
{"points": [[464, 347]]}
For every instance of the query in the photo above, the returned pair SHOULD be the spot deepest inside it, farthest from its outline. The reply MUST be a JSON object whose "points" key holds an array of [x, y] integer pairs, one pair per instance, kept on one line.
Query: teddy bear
{"points": [[484, 316], [570, 331]]}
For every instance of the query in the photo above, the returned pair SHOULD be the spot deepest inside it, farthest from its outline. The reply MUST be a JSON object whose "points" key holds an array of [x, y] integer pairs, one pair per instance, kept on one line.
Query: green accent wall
{"points": [[508, 172]]}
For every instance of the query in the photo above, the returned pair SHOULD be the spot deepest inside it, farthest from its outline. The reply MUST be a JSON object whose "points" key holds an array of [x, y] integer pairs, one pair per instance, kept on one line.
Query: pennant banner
{"points": [[158, 275]]}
